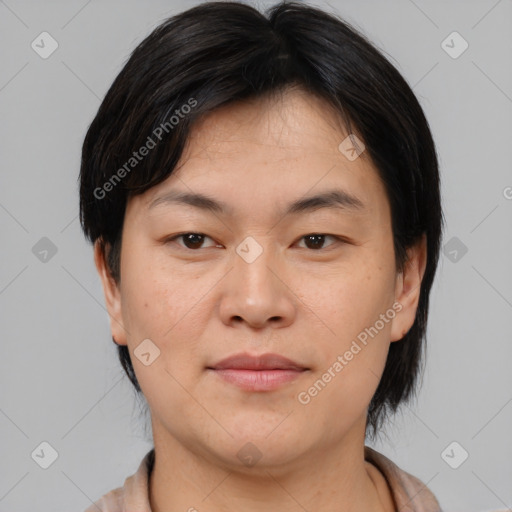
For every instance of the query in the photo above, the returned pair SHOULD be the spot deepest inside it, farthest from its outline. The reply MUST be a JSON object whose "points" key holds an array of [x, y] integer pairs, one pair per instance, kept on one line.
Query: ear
{"points": [[111, 292], [408, 287]]}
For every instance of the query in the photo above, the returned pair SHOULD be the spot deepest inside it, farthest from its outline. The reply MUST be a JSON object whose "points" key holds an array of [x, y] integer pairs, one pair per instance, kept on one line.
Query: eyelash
{"points": [[181, 235]]}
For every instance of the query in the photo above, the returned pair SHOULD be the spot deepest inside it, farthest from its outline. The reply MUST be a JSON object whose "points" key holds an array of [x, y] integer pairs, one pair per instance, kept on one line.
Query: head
{"points": [[256, 113]]}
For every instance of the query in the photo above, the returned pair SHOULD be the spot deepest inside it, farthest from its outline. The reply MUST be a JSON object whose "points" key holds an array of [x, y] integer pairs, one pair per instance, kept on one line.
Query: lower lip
{"points": [[258, 380]]}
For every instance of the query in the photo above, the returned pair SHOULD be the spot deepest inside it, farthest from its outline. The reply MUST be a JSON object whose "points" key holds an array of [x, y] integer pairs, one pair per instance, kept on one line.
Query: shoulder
{"points": [[110, 502], [409, 492], [133, 495]]}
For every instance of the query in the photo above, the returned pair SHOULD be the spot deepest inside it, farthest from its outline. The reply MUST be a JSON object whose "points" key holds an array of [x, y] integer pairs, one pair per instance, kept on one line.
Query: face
{"points": [[246, 273]]}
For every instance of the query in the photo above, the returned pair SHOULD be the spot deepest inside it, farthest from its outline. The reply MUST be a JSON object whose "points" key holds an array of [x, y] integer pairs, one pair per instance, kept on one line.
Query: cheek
{"points": [[155, 295], [344, 302], [350, 310], [353, 359], [357, 354], [173, 305], [166, 308]]}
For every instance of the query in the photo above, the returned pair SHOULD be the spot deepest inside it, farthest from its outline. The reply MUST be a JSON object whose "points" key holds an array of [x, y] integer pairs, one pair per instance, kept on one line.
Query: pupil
{"points": [[316, 245], [190, 239]]}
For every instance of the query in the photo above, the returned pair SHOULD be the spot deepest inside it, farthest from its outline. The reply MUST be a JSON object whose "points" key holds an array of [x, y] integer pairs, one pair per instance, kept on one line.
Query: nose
{"points": [[258, 293]]}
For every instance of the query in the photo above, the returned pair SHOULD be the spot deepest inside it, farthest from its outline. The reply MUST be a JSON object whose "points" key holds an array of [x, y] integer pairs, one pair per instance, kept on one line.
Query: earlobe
{"points": [[408, 288], [111, 292]]}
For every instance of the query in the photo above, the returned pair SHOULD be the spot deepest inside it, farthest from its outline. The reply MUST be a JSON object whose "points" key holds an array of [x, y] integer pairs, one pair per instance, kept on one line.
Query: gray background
{"points": [[59, 377]]}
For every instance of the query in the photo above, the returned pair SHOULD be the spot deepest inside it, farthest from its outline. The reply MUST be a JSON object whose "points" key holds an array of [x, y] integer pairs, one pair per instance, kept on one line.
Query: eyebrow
{"points": [[334, 199]]}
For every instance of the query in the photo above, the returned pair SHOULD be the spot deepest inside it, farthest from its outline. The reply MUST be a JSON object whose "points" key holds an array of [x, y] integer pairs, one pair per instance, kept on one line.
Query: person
{"points": [[263, 196]]}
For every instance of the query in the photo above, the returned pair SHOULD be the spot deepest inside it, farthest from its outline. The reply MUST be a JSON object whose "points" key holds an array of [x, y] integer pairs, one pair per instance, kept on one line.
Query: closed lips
{"points": [[262, 362]]}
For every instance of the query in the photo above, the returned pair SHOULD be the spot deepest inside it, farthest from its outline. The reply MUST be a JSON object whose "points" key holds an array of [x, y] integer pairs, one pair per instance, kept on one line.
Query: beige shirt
{"points": [[409, 493]]}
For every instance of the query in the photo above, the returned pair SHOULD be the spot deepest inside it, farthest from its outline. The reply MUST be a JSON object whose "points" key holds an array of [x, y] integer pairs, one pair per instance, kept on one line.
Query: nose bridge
{"points": [[253, 263], [254, 292]]}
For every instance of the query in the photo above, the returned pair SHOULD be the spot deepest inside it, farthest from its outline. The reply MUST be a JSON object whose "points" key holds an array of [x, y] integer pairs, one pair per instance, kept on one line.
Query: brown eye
{"points": [[190, 240], [316, 241]]}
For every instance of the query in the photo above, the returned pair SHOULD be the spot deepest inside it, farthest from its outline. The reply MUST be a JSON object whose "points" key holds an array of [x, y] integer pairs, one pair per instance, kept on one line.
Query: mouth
{"points": [[265, 372]]}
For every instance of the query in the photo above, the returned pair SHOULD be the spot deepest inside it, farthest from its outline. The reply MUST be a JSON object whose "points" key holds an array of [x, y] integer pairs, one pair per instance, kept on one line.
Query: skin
{"points": [[202, 302]]}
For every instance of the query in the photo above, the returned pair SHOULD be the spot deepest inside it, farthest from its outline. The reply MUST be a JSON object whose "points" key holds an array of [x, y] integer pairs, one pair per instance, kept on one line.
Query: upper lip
{"points": [[260, 362]]}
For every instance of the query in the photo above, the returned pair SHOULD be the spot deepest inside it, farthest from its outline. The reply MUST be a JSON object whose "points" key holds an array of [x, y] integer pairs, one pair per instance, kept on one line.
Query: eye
{"points": [[190, 240], [315, 241], [194, 241]]}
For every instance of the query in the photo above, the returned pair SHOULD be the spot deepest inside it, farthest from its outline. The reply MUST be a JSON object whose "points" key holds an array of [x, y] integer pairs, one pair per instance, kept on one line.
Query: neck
{"points": [[325, 478]]}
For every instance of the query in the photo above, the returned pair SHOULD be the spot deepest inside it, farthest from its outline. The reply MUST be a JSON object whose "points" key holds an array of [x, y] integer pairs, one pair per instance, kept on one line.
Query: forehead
{"points": [[260, 153], [283, 122]]}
